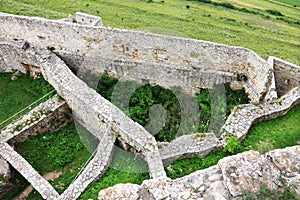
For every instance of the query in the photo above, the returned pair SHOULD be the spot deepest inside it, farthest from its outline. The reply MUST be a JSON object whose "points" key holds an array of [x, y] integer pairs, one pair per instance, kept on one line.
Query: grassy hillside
{"points": [[295, 3], [253, 25]]}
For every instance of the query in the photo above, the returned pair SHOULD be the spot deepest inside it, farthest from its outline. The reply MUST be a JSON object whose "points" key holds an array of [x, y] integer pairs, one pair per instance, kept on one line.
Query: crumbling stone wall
{"points": [[197, 144], [231, 177], [244, 116], [287, 75], [131, 55], [84, 19], [96, 114], [5, 175], [49, 116], [168, 61]]}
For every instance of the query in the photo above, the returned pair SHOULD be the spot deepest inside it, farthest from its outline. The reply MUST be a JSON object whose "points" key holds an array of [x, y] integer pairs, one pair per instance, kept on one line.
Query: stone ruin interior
{"points": [[58, 48]]}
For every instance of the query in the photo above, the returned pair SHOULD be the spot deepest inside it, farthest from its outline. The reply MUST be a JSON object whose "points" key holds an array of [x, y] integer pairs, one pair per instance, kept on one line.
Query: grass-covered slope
{"points": [[249, 24]]}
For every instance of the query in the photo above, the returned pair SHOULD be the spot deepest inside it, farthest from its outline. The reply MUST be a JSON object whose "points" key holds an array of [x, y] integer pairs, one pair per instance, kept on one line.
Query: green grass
{"points": [[290, 2], [111, 178], [278, 133], [265, 136], [63, 151], [16, 95], [262, 33]]}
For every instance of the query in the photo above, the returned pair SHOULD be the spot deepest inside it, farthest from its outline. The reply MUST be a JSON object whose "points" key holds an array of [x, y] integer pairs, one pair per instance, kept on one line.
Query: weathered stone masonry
{"points": [[167, 61], [137, 56], [47, 117], [231, 177], [99, 116], [287, 75]]}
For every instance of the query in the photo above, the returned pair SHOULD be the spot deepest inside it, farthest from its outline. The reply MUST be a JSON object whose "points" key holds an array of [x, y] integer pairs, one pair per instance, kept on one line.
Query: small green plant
{"points": [[233, 145], [284, 192], [2, 178], [265, 146]]}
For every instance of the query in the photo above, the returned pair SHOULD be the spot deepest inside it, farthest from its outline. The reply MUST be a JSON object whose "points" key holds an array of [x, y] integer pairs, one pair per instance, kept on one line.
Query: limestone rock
{"points": [[203, 184], [121, 191], [14, 78], [248, 170]]}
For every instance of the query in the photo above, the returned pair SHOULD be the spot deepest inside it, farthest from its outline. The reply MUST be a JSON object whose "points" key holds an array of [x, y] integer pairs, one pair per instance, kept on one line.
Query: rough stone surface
{"points": [[4, 168], [248, 170], [199, 144], [230, 178], [287, 75], [86, 19], [5, 185], [131, 55], [244, 116], [122, 191]]}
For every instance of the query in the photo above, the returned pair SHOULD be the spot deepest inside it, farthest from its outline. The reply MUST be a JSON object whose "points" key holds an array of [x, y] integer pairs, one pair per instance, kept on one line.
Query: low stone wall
{"points": [[49, 116], [27, 171], [244, 116], [231, 177], [94, 170], [199, 144], [287, 75], [131, 55], [84, 19], [99, 116]]}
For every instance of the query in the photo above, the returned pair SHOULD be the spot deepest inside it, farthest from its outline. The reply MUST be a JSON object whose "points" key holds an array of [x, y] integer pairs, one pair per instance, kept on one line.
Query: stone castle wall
{"points": [[131, 55], [287, 75]]}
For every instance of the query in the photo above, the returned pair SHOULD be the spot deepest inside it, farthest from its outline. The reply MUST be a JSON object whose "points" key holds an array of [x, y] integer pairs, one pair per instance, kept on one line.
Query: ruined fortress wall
{"points": [[131, 55], [243, 117], [95, 113], [49, 116], [287, 75]]}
